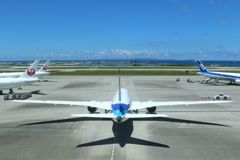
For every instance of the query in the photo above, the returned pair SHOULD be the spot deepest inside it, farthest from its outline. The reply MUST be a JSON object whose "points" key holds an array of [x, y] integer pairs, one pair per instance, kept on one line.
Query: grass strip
{"points": [[123, 72]]}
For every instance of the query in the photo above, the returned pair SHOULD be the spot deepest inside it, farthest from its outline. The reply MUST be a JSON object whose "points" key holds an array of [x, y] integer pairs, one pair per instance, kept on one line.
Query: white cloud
{"points": [[219, 52], [122, 53]]}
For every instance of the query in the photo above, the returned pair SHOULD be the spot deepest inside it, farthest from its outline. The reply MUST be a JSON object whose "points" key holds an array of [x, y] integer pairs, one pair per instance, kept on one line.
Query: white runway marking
{"points": [[113, 148]]}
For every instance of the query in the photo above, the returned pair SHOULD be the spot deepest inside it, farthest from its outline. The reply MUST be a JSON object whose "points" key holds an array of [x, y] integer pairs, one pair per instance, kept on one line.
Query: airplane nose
{"points": [[119, 119]]}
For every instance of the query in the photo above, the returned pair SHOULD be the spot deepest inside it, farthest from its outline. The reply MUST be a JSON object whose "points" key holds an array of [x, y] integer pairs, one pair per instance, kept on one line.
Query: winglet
{"points": [[31, 71], [202, 67]]}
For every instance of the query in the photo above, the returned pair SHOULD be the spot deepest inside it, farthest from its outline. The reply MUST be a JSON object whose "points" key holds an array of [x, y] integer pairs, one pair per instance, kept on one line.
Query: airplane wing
{"points": [[142, 105], [110, 116], [105, 116], [133, 116], [97, 104]]}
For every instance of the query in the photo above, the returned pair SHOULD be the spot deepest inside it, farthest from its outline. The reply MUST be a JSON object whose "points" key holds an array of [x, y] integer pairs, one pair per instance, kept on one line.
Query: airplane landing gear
{"points": [[135, 111], [10, 90], [206, 81], [107, 111]]}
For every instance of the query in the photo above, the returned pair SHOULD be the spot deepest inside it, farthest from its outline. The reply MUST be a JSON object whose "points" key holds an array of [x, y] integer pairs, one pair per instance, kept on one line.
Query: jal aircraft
{"points": [[121, 107], [231, 77], [41, 72], [26, 78]]}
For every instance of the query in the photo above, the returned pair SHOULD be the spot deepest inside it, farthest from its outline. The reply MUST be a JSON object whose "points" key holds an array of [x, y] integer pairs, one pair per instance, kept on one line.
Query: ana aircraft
{"points": [[121, 108], [231, 77], [25, 78], [41, 72]]}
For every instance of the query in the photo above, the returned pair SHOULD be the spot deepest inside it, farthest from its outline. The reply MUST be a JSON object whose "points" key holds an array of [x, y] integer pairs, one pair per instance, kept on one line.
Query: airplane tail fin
{"points": [[119, 86], [202, 67], [31, 71], [45, 66]]}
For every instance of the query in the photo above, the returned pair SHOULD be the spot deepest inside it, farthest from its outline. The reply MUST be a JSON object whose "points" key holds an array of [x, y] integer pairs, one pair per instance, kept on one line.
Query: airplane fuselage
{"points": [[18, 74], [10, 83], [120, 105], [233, 77], [11, 75], [41, 73]]}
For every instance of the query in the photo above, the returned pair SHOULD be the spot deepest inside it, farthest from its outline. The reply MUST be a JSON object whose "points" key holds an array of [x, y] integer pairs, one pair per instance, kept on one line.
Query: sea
{"points": [[134, 62], [152, 62]]}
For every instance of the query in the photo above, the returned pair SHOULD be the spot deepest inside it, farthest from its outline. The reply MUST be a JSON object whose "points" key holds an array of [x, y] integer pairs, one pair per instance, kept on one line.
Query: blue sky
{"points": [[93, 29]]}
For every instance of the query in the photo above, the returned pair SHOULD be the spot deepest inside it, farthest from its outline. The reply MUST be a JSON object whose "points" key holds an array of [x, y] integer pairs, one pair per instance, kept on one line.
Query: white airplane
{"points": [[231, 77], [26, 78], [41, 72], [121, 108]]}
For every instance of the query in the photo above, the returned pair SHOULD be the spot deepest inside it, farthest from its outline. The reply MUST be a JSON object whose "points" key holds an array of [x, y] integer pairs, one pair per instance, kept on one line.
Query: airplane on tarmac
{"points": [[41, 72], [121, 108], [231, 77], [26, 78]]}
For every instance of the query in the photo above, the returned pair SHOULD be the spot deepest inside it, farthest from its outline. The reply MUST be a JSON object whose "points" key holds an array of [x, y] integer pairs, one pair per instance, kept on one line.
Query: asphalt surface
{"points": [[73, 139]]}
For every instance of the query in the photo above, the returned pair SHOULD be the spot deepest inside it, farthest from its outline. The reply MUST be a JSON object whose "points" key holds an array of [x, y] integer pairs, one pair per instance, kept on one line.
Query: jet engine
{"points": [[92, 109], [151, 109]]}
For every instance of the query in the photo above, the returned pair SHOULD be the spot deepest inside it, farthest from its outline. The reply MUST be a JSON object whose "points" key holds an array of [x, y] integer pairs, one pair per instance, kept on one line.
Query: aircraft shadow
{"points": [[47, 81], [177, 120], [122, 135], [164, 119], [220, 84], [65, 121], [38, 92], [122, 131], [33, 92]]}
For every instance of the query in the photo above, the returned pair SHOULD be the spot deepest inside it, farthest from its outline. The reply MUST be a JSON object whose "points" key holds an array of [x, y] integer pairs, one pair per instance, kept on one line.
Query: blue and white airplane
{"points": [[121, 108], [231, 77]]}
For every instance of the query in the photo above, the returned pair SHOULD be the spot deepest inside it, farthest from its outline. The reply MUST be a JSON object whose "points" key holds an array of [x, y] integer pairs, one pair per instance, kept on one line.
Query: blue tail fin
{"points": [[202, 67]]}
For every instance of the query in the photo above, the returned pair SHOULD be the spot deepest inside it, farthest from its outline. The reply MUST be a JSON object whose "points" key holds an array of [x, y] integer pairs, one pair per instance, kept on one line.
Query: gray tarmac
{"points": [[166, 139]]}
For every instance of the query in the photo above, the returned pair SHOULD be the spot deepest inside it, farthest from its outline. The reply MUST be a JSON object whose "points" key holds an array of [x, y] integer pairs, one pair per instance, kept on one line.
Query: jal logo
{"points": [[30, 72], [45, 68]]}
